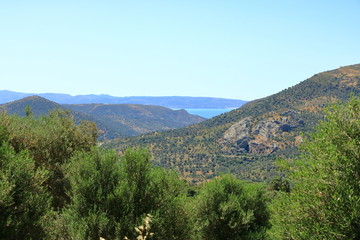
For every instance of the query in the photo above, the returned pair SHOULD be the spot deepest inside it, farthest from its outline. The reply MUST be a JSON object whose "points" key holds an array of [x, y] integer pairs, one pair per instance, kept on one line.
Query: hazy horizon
{"points": [[104, 94], [225, 49]]}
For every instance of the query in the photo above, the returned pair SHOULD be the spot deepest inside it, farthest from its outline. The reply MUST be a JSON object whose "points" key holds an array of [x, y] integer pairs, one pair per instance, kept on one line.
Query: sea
{"points": [[208, 112]]}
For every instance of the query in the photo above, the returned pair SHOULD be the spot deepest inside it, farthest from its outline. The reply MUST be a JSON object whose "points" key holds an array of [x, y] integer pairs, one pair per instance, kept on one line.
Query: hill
{"points": [[39, 106], [135, 119], [246, 141], [114, 120], [175, 102], [42, 106]]}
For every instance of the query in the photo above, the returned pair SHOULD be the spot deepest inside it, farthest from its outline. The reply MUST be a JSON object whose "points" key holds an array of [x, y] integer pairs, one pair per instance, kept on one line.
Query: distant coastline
{"points": [[208, 112], [173, 102]]}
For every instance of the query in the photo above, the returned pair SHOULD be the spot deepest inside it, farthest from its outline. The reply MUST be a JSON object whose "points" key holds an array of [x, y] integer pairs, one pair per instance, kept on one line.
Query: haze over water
{"points": [[208, 112]]}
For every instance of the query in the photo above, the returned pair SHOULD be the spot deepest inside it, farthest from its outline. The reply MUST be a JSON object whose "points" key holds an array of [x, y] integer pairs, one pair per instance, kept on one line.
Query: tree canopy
{"points": [[325, 200], [228, 208]]}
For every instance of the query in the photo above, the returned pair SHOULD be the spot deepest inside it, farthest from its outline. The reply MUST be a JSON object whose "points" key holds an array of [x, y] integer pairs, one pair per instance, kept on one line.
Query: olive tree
{"points": [[228, 208], [324, 202], [24, 200]]}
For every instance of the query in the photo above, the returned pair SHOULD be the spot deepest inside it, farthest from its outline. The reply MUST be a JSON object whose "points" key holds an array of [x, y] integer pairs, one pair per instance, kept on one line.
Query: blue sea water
{"points": [[208, 112]]}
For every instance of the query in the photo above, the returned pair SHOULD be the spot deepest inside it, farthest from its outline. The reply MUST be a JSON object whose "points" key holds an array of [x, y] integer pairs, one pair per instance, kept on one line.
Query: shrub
{"points": [[23, 199], [325, 200], [227, 208]]}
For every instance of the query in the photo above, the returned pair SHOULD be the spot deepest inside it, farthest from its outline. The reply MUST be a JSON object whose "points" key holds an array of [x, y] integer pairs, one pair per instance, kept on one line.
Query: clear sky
{"points": [[237, 49]]}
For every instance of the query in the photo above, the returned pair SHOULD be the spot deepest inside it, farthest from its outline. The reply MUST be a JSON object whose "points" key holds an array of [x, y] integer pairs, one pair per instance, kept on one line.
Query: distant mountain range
{"points": [[246, 141], [169, 102], [114, 120]]}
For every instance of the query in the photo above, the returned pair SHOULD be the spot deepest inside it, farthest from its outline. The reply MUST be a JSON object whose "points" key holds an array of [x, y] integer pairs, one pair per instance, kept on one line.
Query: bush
{"points": [[279, 184], [51, 141], [23, 199], [325, 200], [152, 190], [109, 196], [227, 208]]}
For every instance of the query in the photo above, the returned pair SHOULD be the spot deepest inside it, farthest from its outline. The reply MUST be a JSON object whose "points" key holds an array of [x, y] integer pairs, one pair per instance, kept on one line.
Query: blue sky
{"points": [[211, 48]]}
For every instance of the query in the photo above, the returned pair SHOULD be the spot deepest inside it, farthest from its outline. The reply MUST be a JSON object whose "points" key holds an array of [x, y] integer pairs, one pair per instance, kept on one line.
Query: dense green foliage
{"points": [[23, 197], [154, 191], [325, 200], [93, 178], [279, 183], [227, 208], [50, 141], [109, 196]]}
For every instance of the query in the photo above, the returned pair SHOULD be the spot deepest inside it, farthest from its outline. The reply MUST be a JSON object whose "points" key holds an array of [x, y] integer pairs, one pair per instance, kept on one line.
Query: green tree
{"points": [[50, 140], [279, 183], [325, 200], [28, 112], [227, 208], [109, 196], [23, 199], [155, 191], [93, 177]]}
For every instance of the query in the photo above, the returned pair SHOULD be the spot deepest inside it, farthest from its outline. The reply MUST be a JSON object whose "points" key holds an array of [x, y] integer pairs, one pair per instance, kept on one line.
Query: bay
{"points": [[208, 112]]}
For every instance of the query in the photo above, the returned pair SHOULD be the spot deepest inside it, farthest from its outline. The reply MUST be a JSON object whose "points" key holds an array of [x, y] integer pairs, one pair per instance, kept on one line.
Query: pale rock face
{"points": [[266, 129], [239, 133], [239, 130], [257, 136]]}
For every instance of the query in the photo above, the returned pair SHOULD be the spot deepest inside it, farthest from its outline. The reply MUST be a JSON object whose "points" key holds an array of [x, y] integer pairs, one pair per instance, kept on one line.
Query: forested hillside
{"points": [[246, 141]]}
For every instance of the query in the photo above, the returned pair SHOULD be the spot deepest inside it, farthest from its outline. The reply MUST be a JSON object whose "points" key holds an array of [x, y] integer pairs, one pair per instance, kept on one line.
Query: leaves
{"points": [[227, 208], [325, 200], [23, 198]]}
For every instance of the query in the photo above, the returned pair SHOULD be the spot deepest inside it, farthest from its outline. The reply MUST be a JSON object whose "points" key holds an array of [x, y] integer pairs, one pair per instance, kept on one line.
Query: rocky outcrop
{"points": [[239, 133], [260, 136]]}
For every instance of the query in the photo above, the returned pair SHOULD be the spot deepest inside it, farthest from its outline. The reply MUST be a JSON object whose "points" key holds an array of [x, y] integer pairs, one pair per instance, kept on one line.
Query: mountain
{"points": [[246, 141], [114, 120], [42, 106], [135, 119], [175, 102], [39, 106]]}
